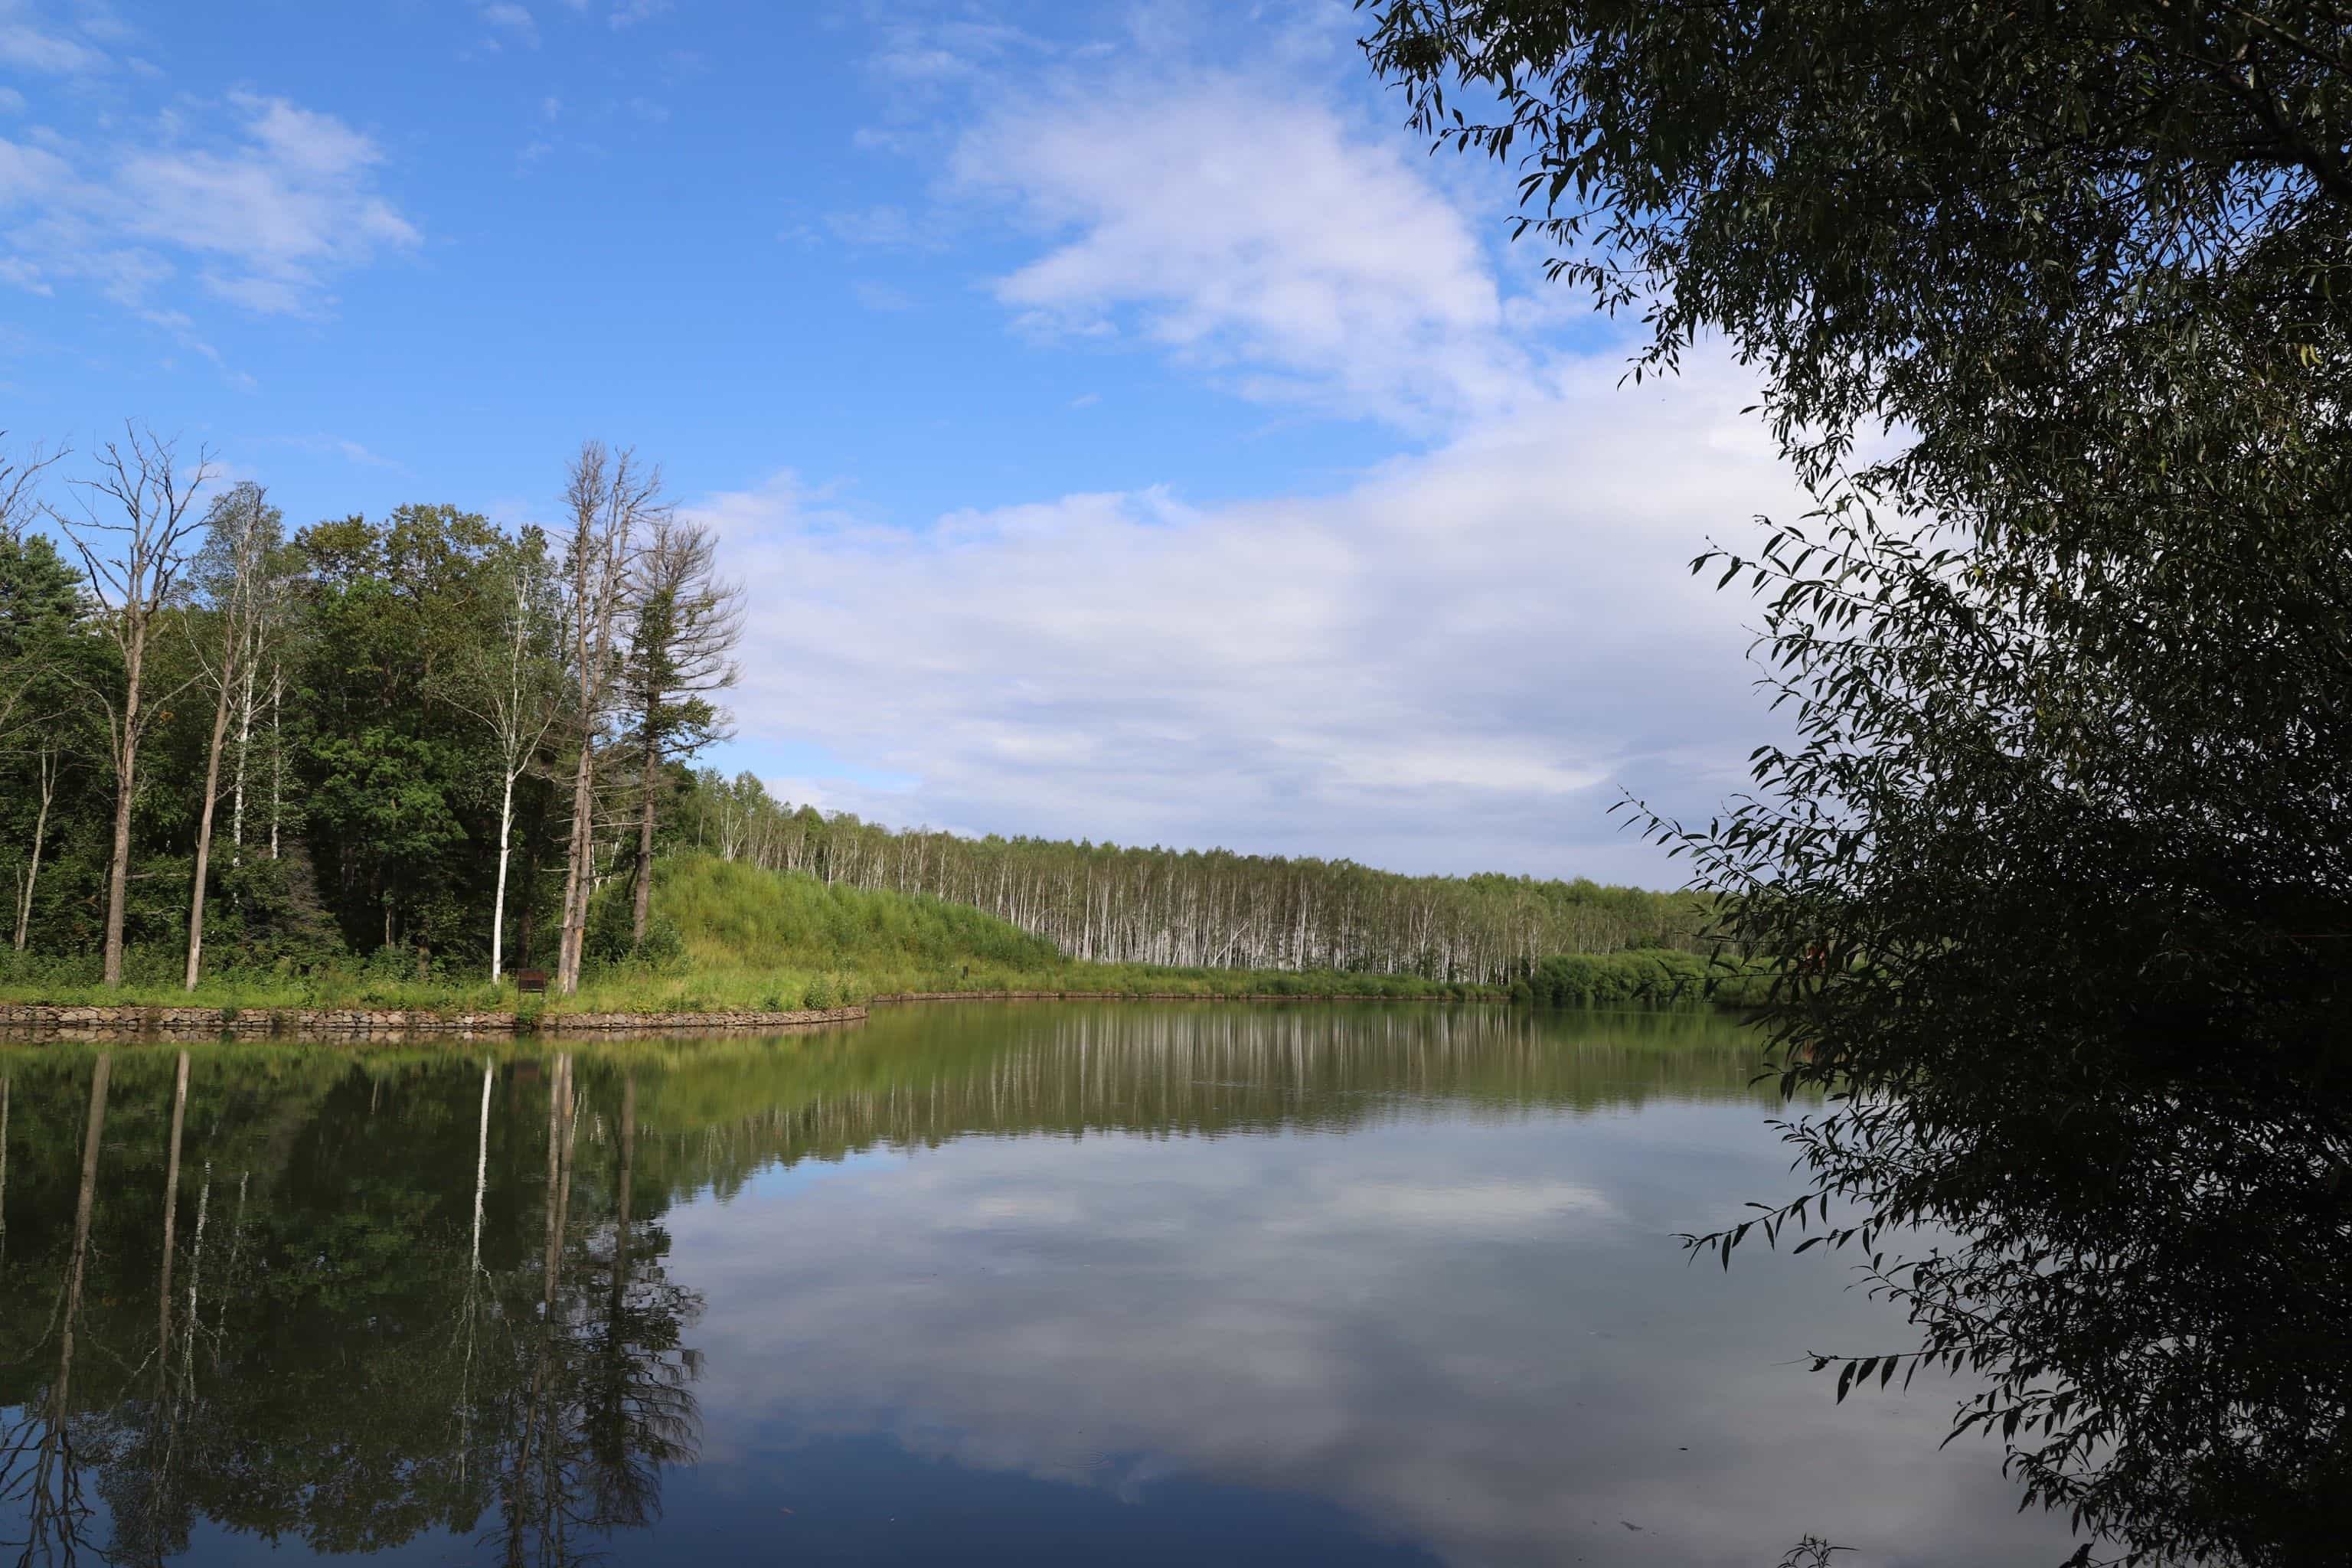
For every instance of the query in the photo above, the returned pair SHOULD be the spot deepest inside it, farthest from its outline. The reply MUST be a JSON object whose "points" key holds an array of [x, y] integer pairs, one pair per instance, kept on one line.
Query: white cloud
{"points": [[629, 12], [350, 451], [24, 275], [30, 48], [1452, 665], [1477, 1340], [266, 215], [98, 20], [882, 225], [935, 53], [183, 329], [11, 100], [881, 296], [1334, 273], [514, 19], [30, 175]]}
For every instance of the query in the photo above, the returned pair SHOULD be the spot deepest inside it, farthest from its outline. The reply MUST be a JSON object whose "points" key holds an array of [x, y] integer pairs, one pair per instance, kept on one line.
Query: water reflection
{"points": [[1028, 1283], [345, 1318]]}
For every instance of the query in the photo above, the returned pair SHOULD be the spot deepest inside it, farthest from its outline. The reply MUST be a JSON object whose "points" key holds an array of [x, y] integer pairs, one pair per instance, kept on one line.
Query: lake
{"points": [[1028, 1283]]}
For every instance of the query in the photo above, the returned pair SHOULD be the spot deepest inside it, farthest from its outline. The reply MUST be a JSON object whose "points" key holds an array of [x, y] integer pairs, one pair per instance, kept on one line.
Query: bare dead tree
{"points": [[133, 566], [232, 575], [610, 500], [20, 488], [689, 620]]}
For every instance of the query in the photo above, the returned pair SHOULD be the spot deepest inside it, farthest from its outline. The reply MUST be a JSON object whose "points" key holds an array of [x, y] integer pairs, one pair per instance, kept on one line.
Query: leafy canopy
{"points": [[2050, 305]]}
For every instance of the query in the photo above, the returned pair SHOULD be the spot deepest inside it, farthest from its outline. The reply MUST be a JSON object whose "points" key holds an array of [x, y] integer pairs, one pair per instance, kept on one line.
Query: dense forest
{"points": [[409, 735], [442, 749]]}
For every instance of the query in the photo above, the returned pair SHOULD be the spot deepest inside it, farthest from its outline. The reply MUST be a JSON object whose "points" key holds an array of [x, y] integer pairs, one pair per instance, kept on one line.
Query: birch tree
{"points": [[610, 498], [273, 626], [514, 690], [45, 784], [133, 531], [243, 539], [688, 622]]}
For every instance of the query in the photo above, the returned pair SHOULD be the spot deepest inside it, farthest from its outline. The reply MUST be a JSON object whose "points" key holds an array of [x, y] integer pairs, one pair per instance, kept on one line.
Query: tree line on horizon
{"points": [[411, 737], [1211, 909]]}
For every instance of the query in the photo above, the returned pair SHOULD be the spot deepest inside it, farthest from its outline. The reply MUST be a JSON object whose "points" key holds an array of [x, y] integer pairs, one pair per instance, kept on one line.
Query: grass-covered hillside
{"points": [[748, 937], [727, 936]]}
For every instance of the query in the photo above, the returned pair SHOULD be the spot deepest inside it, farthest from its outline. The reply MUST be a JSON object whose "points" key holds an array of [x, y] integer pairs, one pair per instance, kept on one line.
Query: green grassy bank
{"points": [[728, 936]]}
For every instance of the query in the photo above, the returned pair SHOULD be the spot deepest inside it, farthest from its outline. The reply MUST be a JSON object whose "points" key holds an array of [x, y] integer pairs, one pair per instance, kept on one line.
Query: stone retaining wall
{"points": [[1140, 996], [378, 1024], [19, 1020]]}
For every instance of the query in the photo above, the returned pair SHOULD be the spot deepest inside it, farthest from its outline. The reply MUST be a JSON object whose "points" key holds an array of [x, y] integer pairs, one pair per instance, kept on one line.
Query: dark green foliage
{"points": [[358, 791], [269, 913], [1641, 978], [40, 597], [610, 939], [2056, 867], [398, 779]]}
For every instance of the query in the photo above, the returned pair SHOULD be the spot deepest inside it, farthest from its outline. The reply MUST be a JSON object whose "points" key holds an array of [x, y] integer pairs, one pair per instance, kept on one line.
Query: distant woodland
{"points": [[1211, 909]]}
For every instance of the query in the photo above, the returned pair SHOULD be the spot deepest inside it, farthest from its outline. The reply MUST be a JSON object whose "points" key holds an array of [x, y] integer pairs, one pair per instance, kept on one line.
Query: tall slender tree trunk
{"points": [[51, 1494], [628, 1178], [205, 837], [126, 770], [277, 752], [473, 1285], [93, 1129], [577, 871], [244, 746], [481, 1168], [643, 905], [171, 1214], [559, 1125], [48, 784], [236, 1251], [498, 900], [524, 1509], [196, 1287]]}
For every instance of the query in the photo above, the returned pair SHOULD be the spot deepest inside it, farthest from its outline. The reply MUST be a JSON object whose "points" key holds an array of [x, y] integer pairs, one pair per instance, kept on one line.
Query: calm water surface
{"points": [[1023, 1284]]}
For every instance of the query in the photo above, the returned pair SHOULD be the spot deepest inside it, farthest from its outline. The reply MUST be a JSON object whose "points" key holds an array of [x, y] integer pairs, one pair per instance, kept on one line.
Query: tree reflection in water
{"points": [[343, 1301], [374, 1350]]}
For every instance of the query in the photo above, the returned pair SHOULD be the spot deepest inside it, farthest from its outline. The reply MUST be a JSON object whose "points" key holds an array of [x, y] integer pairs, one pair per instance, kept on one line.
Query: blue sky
{"points": [[1124, 428]]}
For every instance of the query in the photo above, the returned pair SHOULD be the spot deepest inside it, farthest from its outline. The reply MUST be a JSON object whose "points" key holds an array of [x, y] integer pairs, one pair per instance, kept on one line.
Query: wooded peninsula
{"points": [[390, 760]]}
